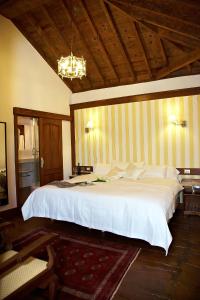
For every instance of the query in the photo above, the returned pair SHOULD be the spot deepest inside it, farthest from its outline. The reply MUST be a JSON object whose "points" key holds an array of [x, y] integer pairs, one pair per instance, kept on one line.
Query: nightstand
{"points": [[191, 196]]}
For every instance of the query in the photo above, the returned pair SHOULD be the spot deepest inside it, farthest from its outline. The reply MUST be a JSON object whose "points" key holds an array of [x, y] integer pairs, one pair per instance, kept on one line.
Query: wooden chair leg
{"points": [[52, 287]]}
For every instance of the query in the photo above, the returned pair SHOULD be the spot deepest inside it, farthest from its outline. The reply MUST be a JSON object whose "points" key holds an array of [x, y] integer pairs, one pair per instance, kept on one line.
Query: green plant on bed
{"points": [[100, 179]]}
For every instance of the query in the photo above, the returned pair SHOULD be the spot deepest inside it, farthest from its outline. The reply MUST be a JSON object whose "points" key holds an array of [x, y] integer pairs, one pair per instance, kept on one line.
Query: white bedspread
{"points": [[136, 209]]}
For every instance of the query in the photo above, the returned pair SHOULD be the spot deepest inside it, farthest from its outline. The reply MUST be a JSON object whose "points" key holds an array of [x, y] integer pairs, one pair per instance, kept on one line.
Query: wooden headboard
{"points": [[189, 171], [82, 169]]}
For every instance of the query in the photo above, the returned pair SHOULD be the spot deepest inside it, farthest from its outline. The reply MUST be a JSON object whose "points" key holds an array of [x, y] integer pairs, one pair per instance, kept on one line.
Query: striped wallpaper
{"points": [[140, 131]]}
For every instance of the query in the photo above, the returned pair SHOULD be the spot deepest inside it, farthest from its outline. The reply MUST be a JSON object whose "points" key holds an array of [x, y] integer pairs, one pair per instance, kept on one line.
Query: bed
{"points": [[125, 206]]}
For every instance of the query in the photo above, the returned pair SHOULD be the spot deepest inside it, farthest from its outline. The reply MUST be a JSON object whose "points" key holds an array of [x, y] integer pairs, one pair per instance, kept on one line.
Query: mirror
{"points": [[28, 157], [3, 165]]}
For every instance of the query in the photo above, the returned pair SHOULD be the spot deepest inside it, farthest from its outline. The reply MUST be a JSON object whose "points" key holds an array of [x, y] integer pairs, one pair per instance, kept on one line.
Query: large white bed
{"points": [[133, 208]]}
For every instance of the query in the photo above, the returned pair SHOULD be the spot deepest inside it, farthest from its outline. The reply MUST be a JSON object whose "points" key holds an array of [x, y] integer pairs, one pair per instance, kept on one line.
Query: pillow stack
{"points": [[135, 170]]}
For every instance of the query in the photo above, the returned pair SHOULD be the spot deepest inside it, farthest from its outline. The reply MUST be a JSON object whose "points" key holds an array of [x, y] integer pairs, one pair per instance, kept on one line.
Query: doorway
{"points": [[38, 150], [27, 156]]}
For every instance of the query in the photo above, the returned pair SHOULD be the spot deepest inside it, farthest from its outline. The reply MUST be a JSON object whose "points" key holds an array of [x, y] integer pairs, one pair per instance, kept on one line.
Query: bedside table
{"points": [[191, 196]]}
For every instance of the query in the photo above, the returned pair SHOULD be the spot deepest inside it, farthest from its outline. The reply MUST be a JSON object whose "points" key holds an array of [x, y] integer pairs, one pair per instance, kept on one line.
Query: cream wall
{"points": [[140, 131], [27, 81], [138, 89]]}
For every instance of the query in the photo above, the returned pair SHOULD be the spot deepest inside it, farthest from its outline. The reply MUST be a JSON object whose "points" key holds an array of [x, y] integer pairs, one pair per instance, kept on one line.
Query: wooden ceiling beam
{"points": [[161, 32], [144, 14], [95, 31], [179, 47], [176, 11], [118, 38], [142, 48], [14, 8], [198, 62], [173, 36], [179, 63], [139, 40], [69, 14], [190, 3], [189, 67], [163, 53]]}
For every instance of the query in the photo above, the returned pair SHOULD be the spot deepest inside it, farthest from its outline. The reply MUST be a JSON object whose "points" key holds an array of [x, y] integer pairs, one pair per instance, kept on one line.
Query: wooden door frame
{"points": [[23, 112]]}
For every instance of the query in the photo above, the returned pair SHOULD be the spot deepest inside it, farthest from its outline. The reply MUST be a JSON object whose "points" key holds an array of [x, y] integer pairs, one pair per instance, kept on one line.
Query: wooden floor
{"points": [[153, 275]]}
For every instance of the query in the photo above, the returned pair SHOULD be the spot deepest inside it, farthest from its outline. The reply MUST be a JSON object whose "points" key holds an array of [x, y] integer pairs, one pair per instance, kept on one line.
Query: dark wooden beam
{"points": [[198, 62], [189, 67], [190, 42], [178, 13], [173, 36], [144, 14], [181, 62], [14, 8], [191, 3], [116, 33], [142, 48], [162, 51], [178, 47], [95, 31]]}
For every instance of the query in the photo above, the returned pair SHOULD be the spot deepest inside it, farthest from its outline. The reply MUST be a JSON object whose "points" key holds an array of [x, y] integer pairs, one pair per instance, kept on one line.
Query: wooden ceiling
{"points": [[123, 42]]}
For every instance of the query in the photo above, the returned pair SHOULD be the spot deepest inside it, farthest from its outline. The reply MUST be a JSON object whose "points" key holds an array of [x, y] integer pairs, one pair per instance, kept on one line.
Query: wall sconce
{"points": [[89, 126], [176, 122]]}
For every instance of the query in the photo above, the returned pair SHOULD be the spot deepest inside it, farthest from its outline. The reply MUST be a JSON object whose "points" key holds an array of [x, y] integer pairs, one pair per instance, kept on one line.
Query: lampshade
{"points": [[89, 126], [72, 67]]}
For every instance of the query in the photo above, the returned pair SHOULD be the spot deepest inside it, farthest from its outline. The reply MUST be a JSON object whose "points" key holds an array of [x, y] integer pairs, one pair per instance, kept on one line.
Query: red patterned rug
{"points": [[87, 268]]}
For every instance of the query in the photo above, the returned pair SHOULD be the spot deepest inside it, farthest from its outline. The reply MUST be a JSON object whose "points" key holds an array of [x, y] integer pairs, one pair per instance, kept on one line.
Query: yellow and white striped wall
{"points": [[140, 131]]}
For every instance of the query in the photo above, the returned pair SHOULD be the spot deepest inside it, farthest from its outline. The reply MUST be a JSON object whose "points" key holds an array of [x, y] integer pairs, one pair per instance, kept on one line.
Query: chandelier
{"points": [[72, 67]]}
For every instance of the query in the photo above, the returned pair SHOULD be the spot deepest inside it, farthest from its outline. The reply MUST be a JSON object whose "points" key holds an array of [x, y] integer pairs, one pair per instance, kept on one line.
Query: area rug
{"points": [[90, 269]]}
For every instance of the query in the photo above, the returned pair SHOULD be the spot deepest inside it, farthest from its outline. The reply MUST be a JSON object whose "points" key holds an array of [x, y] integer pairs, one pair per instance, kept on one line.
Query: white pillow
{"points": [[172, 172], [115, 173], [134, 173], [152, 171], [138, 164], [102, 169], [133, 165], [119, 164]]}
